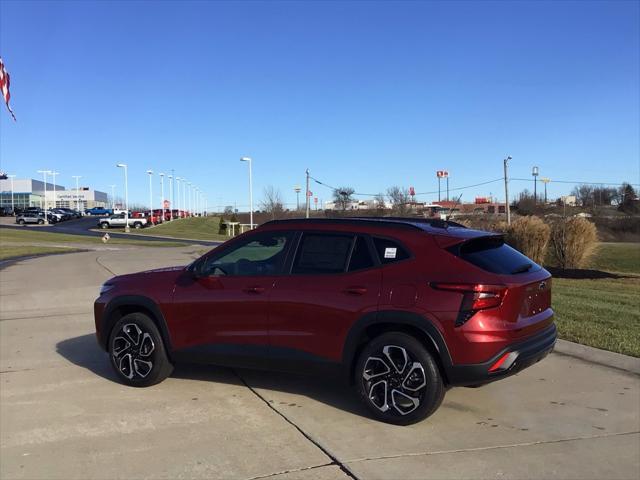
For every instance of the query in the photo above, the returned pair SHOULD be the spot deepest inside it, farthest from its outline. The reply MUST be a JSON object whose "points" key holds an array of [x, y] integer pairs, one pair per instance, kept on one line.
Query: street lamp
{"points": [[55, 200], [535, 172], [126, 196], [113, 197], [150, 173], [77, 177], [545, 180], [44, 176], [178, 196], [184, 196], [162, 194], [249, 161], [170, 177], [13, 210]]}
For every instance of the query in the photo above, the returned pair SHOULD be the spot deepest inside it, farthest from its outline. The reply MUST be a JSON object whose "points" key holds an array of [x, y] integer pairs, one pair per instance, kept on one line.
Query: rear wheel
{"points": [[137, 225], [137, 352], [104, 225], [41, 222], [398, 379], [21, 222]]}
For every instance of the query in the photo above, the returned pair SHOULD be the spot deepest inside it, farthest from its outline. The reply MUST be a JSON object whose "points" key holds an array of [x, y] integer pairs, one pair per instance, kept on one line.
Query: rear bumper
{"points": [[515, 358]]}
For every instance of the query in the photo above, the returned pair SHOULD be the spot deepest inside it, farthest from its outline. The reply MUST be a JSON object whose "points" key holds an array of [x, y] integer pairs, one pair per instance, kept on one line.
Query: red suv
{"points": [[402, 308]]}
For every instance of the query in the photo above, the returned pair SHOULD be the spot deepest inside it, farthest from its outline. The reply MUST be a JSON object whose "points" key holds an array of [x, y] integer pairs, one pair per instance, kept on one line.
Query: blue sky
{"points": [[364, 94]]}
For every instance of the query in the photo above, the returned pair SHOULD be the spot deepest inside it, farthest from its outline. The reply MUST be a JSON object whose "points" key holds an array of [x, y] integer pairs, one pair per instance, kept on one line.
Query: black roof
{"points": [[424, 224]]}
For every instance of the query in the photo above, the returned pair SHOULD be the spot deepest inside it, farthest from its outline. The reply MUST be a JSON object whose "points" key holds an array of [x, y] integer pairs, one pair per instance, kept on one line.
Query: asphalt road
{"points": [[64, 415], [83, 226]]}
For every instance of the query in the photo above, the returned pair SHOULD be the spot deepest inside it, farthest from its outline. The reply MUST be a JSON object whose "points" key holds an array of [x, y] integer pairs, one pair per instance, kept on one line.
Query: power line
{"points": [[578, 183]]}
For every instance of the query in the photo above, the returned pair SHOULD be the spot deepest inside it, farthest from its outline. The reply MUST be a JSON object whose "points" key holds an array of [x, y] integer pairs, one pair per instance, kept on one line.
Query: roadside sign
{"points": [[106, 237], [315, 200], [442, 173], [166, 204]]}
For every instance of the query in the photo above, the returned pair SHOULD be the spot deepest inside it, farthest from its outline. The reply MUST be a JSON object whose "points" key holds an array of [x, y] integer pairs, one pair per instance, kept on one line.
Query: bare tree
{"points": [[379, 202], [399, 198], [272, 201], [584, 194], [343, 196]]}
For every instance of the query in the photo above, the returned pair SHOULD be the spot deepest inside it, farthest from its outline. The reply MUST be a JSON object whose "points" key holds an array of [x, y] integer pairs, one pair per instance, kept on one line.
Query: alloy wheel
{"points": [[132, 350], [394, 381]]}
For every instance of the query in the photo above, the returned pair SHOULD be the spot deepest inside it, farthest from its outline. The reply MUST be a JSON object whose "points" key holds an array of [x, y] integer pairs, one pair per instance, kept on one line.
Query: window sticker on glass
{"points": [[390, 252]]}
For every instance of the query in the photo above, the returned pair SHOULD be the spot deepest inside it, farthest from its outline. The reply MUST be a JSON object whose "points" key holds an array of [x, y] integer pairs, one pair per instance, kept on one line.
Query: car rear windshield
{"points": [[495, 256]]}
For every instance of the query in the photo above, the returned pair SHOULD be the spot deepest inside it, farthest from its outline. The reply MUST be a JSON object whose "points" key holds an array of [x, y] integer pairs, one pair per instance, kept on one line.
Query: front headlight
{"points": [[105, 288]]}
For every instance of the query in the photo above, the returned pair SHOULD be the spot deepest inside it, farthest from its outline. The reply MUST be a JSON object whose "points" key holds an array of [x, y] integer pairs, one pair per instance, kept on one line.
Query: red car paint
{"points": [[322, 317]]}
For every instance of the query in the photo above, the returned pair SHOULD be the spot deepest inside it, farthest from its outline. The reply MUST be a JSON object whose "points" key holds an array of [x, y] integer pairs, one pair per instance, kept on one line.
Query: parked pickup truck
{"points": [[120, 221]]}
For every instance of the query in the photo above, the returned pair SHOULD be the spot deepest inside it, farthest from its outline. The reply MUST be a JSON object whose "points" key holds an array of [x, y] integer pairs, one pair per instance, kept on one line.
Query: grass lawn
{"points": [[196, 228], [603, 313], [11, 251], [13, 236], [617, 257]]}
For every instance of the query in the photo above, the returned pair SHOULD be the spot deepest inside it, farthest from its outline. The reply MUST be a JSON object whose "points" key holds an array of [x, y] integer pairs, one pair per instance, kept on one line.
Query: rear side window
{"points": [[322, 254], [361, 256], [389, 251], [495, 256]]}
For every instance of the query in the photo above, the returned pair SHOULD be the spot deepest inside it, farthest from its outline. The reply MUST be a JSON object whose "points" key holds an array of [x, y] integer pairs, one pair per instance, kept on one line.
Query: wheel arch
{"points": [[411, 323], [124, 305]]}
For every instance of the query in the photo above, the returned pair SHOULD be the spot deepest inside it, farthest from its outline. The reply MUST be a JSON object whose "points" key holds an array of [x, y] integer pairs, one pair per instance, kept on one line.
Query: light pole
{"points": [[55, 201], [506, 190], [171, 196], [297, 189], [77, 177], [306, 195], [545, 180], [248, 160], [535, 172], [13, 209], [113, 197], [150, 173], [178, 196], [126, 196], [189, 199], [184, 196], [162, 194], [44, 176]]}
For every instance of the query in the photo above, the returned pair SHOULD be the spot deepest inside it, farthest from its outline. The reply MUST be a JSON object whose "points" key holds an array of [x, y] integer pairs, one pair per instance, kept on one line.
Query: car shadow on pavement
{"points": [[85, 352]]}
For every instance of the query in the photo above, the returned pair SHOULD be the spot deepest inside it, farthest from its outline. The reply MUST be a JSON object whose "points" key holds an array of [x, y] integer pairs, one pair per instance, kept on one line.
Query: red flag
{"points": [[4, 86]]}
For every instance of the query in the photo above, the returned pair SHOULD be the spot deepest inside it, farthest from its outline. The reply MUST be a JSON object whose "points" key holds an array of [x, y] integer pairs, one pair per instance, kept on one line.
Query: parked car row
{"points": [[36, 215]]}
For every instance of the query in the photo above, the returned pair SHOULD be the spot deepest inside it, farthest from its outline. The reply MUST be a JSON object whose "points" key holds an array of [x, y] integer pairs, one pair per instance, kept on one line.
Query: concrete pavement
{"points": [[63, 415]]}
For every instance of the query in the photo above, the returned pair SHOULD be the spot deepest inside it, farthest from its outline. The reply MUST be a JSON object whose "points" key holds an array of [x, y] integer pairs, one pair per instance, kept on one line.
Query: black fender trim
{"points": [[400, 318], [134, 301]]}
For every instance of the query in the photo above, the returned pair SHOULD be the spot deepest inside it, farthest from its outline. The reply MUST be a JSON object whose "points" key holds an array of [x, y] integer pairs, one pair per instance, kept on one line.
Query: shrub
{"points": [[530, 235], [573, 241]]}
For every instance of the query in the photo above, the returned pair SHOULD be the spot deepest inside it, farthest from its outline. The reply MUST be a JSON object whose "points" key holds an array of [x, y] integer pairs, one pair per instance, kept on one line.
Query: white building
{"points": [[30, 193]]}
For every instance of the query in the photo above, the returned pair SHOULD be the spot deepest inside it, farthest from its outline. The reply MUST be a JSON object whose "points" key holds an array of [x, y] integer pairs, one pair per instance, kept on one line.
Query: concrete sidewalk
{"points": [[63, 415]]}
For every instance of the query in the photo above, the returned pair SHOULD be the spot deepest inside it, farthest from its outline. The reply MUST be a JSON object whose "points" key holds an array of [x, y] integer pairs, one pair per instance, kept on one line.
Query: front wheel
{"points": [[40, 222], [398, 379], [137, 225], [137, 352], [21, 222], [104, 225]]}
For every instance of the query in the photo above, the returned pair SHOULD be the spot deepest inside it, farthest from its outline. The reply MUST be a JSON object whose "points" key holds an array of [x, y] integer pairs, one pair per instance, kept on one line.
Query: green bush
{"points": [[573, 241]]}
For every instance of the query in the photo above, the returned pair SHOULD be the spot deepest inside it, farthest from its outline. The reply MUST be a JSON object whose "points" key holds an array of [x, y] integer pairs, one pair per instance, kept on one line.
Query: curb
{"points": [[598, 356]]}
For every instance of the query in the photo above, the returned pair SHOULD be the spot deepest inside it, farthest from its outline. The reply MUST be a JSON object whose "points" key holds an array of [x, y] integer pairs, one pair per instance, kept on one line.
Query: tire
{"points": [[40, 222], [137, 352], [104, 225], [21, 222], [137, 225], [400, 396]]}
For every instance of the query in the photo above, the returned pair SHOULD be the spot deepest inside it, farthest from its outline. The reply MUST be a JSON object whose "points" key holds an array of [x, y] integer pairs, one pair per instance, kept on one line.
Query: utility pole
{"points": [[534, 172], [307, 195], [77, 177], [506, 190]]}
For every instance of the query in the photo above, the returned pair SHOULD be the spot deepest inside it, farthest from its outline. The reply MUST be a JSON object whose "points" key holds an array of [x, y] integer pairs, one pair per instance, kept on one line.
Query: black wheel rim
{"points": [[394, 381], [132, 352]]}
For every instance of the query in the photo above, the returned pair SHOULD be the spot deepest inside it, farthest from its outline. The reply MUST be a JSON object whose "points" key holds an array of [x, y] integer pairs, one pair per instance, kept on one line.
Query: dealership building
{"points": [[31, 193]]}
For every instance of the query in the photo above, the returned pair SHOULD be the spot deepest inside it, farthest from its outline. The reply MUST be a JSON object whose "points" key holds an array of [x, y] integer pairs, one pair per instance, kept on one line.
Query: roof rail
{"points": [[413, 223]]}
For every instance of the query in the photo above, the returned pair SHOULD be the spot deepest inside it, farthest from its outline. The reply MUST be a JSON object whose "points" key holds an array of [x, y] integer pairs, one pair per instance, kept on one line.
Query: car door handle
{"points": [[355, 290], [254, 289]]}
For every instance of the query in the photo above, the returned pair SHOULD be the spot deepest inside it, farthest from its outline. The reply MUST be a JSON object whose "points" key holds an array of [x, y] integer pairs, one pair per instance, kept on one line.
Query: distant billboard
{"points": [[442, 173]]}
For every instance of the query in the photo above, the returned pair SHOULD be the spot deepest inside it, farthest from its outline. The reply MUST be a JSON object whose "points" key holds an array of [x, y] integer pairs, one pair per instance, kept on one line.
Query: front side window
{"points": [[322, 254], [259, 255]]}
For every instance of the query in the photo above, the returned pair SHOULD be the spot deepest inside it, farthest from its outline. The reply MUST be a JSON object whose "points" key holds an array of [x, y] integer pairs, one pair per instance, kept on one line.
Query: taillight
{"points": [[475, 297]]}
